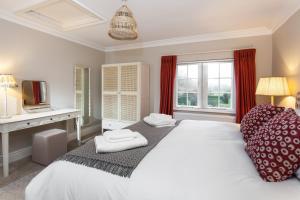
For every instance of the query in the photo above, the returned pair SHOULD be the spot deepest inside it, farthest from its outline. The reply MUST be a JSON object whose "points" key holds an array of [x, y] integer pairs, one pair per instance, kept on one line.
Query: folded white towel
{"points": [[117, 131], [159, 122], [120, 135], [161, 116], [104, 146]]}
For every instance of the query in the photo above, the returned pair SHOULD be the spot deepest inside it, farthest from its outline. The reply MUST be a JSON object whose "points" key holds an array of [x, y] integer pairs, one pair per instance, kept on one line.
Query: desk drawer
{"points": [[58, 118], [69, 116], [23, 125], [49, 120]]}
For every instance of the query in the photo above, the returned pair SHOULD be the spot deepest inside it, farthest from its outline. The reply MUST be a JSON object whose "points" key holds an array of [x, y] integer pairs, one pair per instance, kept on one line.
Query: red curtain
{"points": [[36, 92], [245, 78], [167, 80]]}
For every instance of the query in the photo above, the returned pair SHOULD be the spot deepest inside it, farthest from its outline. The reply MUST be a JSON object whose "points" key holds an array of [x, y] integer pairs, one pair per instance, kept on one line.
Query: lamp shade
{"points": [[7, 80], [123, 25], [273, 86]]}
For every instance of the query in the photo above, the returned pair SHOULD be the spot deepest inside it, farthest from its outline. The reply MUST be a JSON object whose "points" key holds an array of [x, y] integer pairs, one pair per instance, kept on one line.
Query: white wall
{"points": [[33, 55], [286, 56]]}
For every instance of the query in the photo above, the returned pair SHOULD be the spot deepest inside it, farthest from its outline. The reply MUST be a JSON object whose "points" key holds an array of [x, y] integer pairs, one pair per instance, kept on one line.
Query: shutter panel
{"points": [[129, 78], [110, 76], [110, 106], [129, 107]]}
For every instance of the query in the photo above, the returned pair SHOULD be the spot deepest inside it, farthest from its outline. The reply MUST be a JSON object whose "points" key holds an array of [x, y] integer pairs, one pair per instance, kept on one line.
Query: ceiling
{"points": [[168, 21]]}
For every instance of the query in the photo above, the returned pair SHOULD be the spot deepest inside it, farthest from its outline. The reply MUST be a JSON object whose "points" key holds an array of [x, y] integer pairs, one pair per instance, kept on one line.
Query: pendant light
{"points": [[123, 25]]}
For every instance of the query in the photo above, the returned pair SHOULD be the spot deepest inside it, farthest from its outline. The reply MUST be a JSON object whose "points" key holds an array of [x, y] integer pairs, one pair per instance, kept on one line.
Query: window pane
{"points": [[225, 85], [213, 70], [182, 85], [217, 77], [213, 100], [193, 71], [225, 100], [182, 71], [182, 99], [213, 85], [192, 85], [192, 99], [226, 70]]}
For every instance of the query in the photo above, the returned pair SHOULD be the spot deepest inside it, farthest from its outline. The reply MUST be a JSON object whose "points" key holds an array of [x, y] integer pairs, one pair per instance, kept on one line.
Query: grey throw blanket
{"points": [[119, 163]]}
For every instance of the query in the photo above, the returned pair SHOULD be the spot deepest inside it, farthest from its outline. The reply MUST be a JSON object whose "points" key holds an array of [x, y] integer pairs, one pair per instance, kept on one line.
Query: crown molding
{"points": [[285, 18], [193, 39], [17, 20]]}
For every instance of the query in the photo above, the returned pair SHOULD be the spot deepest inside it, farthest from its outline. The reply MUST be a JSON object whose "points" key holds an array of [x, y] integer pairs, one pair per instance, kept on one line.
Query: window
{"points": [[205, 85]]}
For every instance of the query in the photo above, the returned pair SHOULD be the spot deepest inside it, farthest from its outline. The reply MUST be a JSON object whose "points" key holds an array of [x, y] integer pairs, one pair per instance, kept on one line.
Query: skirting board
{"points": [[18, 155], [27, 151]]}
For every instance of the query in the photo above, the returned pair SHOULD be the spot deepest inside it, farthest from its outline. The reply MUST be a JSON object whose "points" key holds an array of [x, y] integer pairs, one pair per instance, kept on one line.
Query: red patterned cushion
{"points": [[256, 118], [275, 148]]}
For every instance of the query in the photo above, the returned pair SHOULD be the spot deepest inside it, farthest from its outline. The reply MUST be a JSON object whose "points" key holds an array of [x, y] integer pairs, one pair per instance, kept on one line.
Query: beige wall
{"points": [[152, 56], [32, 55], [286, 55]]}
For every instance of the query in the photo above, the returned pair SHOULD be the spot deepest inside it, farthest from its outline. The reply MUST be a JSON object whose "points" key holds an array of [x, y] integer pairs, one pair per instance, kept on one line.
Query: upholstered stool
{"points": [[49, 145]]}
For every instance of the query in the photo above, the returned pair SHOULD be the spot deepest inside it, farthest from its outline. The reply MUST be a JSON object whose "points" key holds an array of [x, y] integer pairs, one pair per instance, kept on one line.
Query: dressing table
{"points": [[37, 113], [29, 120]]}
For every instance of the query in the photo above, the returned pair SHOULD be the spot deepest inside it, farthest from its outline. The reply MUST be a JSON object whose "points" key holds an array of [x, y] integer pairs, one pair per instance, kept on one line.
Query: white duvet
{"points": [[198, 160]]}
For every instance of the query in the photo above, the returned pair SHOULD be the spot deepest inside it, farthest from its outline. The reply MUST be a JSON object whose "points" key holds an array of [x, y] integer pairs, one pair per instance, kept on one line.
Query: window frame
{"points": [[203, 89]]}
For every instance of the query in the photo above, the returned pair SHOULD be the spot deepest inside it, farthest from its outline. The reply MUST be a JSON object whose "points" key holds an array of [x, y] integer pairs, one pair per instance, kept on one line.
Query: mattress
{"points": [[198, 160]]}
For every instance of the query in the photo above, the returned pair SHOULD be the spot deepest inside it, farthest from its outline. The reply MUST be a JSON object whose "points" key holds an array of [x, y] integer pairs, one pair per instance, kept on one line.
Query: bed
{"points": [[197, 160]]}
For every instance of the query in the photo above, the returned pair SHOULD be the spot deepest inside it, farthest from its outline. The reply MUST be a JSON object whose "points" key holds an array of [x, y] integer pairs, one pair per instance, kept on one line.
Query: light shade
{"points": [[123, 25], [7, 80], [273, 86]]}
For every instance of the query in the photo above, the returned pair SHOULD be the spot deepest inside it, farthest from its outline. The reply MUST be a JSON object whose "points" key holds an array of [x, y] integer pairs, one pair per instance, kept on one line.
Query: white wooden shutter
{"points": [[110, 106], [129, 107], [129, 92], [110, 79], [129, 78], [121, 92]]}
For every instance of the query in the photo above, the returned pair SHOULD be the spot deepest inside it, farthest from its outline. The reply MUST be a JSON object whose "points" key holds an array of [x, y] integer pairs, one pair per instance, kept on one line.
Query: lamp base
{"points": [[272, 100]]}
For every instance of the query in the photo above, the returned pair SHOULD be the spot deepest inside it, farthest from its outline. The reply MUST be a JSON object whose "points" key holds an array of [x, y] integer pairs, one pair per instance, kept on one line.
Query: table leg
{"points": [[5, 154], [68, 126], [78, 126]]}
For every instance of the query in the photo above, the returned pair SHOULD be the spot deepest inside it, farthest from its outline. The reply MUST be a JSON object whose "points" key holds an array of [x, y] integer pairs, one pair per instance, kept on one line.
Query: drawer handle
{"points": [[51, 119], [69, 115], [28, 123]]}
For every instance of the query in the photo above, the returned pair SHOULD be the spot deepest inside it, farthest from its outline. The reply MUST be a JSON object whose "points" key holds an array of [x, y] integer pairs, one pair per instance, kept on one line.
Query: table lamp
{"points": [[273, 86], [7, 81]]}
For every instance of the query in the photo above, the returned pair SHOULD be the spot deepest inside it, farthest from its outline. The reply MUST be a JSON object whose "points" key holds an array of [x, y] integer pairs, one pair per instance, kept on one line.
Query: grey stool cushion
{"points": [[49, 145]]}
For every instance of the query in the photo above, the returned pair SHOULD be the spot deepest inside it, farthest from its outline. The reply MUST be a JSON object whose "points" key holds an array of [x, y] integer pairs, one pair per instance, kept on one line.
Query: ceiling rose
{"points": [[123, 25]]}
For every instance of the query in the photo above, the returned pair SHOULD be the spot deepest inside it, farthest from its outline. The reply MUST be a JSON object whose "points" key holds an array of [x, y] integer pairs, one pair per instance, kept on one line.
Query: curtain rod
{"points": [[216, 51]]}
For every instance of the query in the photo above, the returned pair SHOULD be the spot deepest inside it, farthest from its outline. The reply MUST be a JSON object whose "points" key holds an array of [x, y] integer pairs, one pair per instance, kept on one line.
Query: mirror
{"points": [[82, 93], [34, 94]]}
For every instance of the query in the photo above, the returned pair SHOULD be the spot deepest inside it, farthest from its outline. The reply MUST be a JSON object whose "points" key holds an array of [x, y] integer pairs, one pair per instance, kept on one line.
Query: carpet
{"points": [[16, 189]]}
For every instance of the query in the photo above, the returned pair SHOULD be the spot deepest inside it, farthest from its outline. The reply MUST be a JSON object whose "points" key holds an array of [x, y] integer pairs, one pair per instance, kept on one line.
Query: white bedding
{"points": [[198, 160]]}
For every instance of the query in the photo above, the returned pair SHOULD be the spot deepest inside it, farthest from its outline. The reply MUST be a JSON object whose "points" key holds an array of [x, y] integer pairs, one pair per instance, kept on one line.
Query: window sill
{"points": [[205, 110]]}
